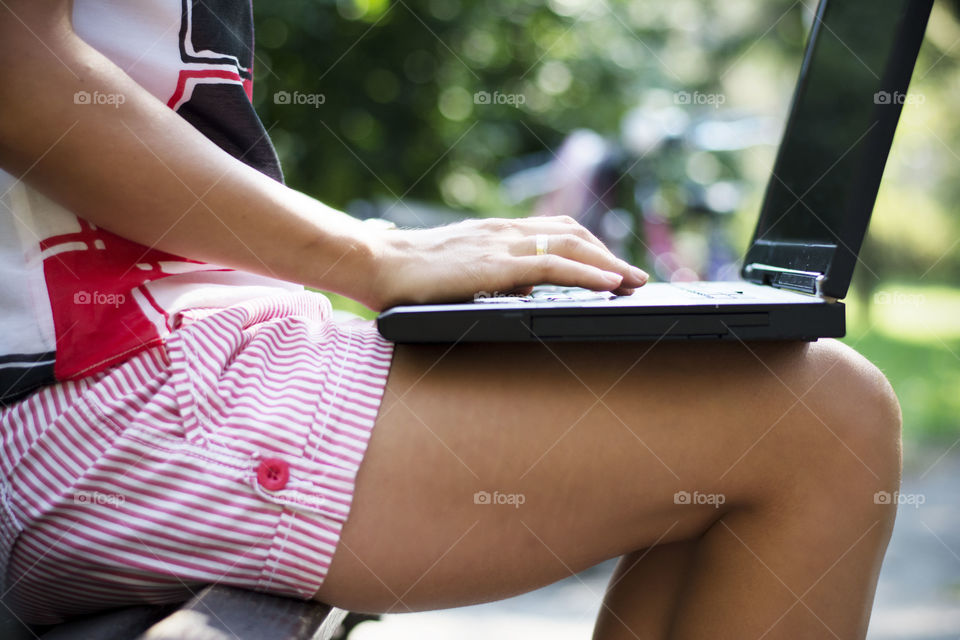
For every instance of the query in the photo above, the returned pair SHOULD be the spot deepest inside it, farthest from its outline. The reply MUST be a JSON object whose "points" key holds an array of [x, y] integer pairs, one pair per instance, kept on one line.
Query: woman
{"points": [[178, 413]]}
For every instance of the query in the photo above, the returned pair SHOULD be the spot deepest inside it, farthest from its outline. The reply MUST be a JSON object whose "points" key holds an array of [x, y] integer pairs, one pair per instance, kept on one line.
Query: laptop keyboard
{"points": [[713, 295], [550, 293], [547, 293]]}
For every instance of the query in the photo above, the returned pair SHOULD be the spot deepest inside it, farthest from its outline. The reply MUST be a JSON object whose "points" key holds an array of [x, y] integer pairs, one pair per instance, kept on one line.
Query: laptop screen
{"points": [[852, 86]]}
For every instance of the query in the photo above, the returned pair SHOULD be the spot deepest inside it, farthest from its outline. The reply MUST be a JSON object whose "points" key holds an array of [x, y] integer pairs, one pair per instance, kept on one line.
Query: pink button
{"points": [[273, 473]]}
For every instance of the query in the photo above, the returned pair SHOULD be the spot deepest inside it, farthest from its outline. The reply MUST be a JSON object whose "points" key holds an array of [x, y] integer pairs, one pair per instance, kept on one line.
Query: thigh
{"points": [[496, 469]]}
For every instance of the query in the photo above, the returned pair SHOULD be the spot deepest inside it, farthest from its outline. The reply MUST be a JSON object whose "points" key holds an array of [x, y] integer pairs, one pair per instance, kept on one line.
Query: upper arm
{"points": [[37, 46], [29, 24]]}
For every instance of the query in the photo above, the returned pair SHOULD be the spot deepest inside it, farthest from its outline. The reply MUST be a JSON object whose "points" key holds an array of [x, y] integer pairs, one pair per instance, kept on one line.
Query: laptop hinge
{"points": [[781, 278]]}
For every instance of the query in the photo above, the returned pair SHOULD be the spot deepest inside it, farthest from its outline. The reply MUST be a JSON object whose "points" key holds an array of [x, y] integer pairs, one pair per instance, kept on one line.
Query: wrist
{"points": [[381, 253], [354, 257], [373, 248]]}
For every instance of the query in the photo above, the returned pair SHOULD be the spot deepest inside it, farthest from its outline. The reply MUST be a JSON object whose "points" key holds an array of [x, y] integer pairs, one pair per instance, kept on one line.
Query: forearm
{"points": [[141, 171]]}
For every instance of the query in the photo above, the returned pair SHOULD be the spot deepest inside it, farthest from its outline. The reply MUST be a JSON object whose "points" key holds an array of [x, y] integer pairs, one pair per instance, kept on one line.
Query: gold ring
{"points": [[542, 241]]}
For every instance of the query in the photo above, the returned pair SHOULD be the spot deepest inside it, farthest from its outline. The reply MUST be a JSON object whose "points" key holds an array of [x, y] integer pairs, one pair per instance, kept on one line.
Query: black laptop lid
{"points": [[852, 86]]}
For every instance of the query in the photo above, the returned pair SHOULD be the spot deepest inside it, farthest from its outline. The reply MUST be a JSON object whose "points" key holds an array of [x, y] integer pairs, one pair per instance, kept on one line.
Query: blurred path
{"points": [[918, 597], [919, 592]]}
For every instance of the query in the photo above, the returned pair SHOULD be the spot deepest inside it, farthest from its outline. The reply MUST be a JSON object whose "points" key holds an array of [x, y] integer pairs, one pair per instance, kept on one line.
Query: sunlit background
{"points": [[655, 122]]}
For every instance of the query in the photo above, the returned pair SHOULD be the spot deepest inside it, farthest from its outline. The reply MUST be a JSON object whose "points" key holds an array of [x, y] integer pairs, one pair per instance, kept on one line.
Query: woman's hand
{"points": [[455, 262]]}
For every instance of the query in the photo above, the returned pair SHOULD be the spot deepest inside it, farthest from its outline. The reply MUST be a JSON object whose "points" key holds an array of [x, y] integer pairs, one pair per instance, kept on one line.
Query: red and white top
{"points": [[77, 299]]}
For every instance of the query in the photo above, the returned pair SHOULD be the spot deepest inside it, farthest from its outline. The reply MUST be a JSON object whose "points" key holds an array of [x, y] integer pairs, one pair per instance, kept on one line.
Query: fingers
{"points": [[560, 225], [574, 247], [570, 256], [554, 269]]}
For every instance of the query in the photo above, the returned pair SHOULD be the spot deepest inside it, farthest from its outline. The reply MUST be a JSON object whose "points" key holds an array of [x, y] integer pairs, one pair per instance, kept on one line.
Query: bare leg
{"points": [[598, 439], [644, 592]]}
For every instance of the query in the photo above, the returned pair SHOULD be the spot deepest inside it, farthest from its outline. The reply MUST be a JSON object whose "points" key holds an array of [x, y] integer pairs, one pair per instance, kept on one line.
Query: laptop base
{"points": [[688, 311]]}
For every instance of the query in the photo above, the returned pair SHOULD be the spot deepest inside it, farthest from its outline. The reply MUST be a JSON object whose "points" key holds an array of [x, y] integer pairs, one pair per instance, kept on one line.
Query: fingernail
{"points": [[613, 278], [639, 274]]}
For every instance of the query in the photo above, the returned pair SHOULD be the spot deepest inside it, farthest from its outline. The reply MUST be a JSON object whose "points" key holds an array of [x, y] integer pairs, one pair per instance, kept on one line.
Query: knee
{"points": [[855, 407]]}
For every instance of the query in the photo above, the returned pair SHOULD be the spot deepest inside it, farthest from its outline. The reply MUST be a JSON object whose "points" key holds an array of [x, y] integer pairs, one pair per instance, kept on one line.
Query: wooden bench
{"points": [[215, 613]]}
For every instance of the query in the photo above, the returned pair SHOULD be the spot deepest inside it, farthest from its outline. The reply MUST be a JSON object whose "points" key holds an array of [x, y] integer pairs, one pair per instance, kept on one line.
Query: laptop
{"points": [[853, 83]]}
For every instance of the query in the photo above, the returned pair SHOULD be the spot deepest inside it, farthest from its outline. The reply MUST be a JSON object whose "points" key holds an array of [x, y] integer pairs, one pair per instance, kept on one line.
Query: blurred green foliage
{"points": [[399, 119], [399, 79]]}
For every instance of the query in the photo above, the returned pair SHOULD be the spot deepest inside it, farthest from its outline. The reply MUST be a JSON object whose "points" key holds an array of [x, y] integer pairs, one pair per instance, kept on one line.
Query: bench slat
{"points": [[226, 613], [120, 624]]}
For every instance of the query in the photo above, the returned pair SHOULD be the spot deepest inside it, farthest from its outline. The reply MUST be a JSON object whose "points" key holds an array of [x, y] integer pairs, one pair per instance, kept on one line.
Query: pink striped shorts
{"points": [[229, 455]]}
